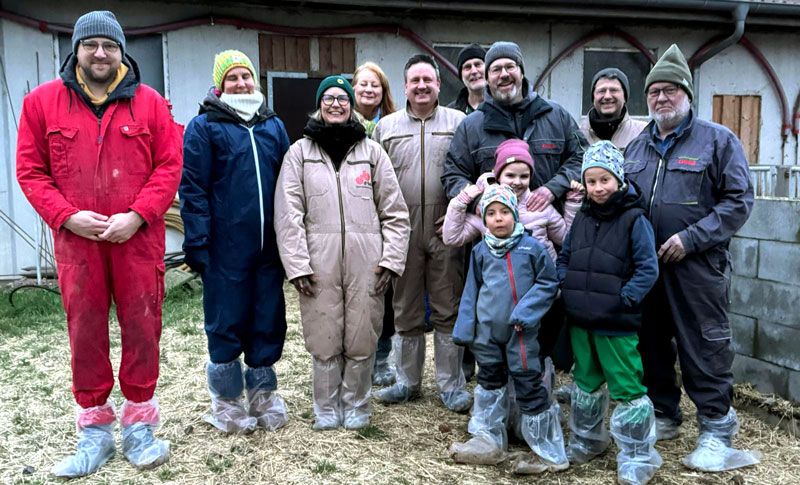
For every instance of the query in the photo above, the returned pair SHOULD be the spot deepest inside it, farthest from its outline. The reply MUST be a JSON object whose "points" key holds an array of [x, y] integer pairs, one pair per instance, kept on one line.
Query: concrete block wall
{"points": [[765, 298]]}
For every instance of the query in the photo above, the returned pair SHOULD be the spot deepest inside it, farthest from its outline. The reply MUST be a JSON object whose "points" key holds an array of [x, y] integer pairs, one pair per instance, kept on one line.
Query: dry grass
{"points": [[404, 446]]}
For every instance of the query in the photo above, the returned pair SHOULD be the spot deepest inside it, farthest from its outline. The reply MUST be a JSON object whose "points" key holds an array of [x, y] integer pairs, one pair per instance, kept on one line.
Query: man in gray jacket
{"points": [[511, 109], [694, 176], [608, 119]]}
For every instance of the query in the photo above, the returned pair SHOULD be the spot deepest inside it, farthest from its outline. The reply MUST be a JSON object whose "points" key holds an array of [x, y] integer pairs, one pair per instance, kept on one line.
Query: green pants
{"points": [[615, 360]]}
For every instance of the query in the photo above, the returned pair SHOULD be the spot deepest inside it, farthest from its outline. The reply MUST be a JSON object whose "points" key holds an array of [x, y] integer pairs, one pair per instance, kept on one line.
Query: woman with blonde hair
{"points": [[373, 96], [373, 99]]}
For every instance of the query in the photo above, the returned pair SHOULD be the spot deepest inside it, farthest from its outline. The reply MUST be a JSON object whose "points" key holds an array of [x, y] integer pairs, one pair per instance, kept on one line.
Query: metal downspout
{"points": [[714, 46]]}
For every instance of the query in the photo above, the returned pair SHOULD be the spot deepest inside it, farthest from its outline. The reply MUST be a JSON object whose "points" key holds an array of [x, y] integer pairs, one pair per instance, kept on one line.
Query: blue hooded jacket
{"points": [[230, 171], [517, 289]]}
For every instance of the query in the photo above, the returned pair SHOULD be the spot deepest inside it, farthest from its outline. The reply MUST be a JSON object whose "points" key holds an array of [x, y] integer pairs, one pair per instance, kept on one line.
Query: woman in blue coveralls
{"points": [[232, 155]]}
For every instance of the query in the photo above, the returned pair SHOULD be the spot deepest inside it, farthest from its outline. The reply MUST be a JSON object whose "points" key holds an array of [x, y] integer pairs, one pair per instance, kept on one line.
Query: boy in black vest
{"points": [[607, 265]]}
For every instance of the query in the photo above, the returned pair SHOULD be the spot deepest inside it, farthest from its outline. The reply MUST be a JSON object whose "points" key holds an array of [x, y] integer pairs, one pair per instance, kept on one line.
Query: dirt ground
{"points": [[406, 444]]}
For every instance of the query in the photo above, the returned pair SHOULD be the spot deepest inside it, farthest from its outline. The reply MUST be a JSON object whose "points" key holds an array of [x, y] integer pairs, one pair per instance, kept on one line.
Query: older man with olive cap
{"points": [[102, 170], [694, 178], [608, 118], [471, 68]]}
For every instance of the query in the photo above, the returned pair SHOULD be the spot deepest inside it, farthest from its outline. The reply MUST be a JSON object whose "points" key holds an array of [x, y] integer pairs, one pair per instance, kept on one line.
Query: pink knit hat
{"points": [[511, 151]]}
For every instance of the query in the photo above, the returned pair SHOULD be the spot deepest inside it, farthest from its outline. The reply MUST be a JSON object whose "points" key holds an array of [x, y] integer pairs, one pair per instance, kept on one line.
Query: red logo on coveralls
{"points": [[548, 145], [363, 179], [682, 161]]}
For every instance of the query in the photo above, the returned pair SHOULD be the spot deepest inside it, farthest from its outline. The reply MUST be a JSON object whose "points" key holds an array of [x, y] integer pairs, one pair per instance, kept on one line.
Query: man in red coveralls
{"points": [[99, 158]]}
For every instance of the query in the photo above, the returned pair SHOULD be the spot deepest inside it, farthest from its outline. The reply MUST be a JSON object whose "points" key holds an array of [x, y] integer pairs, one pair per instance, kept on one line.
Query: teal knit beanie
{"points": [[335, 82]]}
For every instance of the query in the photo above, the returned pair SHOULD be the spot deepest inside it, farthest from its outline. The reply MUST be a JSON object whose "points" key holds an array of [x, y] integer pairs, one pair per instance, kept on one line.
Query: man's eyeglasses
{"points": [[669, 92], [343, 99], [510, 68], [91, 46]]}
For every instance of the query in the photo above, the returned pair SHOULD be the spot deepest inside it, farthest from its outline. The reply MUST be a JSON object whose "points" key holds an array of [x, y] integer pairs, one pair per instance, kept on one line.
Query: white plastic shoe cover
{"points": [[543, 434], [666, 429], [449, 375], [588, 437], [488, 428], [327, 379], [714, 452], [634, 430], [409, 354], [356, 385], [225, 388], [382, 372], [143, 449], [95, 447], [268, 408]]}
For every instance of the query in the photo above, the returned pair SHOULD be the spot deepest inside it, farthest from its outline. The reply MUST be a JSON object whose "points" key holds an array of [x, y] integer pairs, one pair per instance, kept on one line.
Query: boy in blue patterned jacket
{"points": [[511, 284]]}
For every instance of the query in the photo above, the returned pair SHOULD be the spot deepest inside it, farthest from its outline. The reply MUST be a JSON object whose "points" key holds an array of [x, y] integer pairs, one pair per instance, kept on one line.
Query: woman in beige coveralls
{"points": [[343, 229]]}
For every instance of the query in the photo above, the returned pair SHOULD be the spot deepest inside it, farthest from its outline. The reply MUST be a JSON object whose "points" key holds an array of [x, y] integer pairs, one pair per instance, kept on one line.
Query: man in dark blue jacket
{"points": [[694, 176]]}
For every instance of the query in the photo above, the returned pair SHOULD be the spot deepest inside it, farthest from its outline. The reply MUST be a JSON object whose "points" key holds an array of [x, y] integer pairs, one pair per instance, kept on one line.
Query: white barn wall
{"points": [[190, 56], [19, 48]]}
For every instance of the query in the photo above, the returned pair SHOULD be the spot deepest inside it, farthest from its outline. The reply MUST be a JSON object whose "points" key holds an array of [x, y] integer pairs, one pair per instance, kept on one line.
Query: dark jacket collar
{"points": [[125, 89], [499, 117], [220, 112]]}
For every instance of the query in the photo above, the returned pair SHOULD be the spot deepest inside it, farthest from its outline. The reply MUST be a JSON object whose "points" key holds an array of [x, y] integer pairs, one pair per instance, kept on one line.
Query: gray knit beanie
{"points": [[612, 73], [671, 68], [100, 23], [504, 50]]}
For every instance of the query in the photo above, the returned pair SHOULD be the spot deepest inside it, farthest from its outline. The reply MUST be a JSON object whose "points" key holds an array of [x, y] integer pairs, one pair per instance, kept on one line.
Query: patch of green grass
{"points": [[34, 310], [323, 467], [39, 350], [166, 474], [183, 309], [371, 432], [188, 329], [217, 463], [21, 424], [306, 414]]}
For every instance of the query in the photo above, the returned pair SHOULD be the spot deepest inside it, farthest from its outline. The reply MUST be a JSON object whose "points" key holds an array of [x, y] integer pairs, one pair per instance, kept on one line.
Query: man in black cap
{"points": [[470, 65], [608, 118]]}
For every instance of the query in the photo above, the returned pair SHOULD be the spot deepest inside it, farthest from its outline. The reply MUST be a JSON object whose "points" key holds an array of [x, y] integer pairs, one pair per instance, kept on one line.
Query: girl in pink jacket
{"points": [[513, 167]]}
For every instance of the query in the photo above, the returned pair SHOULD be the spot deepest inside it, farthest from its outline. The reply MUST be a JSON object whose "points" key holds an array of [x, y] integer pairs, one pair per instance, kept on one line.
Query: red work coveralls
{"points": [[68, 160]]}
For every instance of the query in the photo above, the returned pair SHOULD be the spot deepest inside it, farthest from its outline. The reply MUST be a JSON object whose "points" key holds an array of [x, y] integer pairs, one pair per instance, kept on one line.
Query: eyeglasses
{"points": [[108, 47], [343, 99], [510, 68], [669, 92]]}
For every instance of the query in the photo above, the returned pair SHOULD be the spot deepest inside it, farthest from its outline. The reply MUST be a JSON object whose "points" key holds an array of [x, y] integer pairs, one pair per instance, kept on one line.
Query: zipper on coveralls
{"points": [[339, 189], [99, 130], [258, 178], [514, 294], [655, 186], [422, 172]]}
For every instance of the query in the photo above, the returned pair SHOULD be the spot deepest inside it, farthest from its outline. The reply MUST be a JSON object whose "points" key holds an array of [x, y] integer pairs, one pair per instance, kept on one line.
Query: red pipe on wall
{"points": [[251, 24], [589, 37], [776, 83]]}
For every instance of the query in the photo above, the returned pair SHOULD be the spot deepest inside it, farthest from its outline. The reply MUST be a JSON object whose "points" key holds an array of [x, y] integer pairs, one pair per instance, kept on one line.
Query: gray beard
{"points": [[668, 121], [507, 98]]}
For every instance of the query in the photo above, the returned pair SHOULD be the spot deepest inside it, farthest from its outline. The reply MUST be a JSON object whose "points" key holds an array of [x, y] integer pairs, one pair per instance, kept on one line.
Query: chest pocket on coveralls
{"points": [[136, 139], [61, 140], [397, 144], [315, 180], [685, 180], [441, 145], [358, 179]]}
